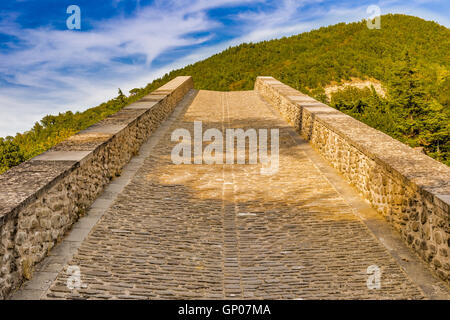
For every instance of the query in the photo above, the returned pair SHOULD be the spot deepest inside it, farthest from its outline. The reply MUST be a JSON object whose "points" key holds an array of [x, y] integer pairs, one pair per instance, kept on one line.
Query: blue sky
{"points": [[46, 68]]}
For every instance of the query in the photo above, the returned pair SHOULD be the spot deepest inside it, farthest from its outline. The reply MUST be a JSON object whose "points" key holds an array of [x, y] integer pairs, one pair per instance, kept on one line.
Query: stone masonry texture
{"points": [[410, 189], [226, 231], [41, 198]]}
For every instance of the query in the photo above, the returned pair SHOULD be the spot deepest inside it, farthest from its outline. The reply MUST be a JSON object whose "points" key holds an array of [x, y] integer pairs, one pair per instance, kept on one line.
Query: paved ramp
{"points": [[165, 231]]}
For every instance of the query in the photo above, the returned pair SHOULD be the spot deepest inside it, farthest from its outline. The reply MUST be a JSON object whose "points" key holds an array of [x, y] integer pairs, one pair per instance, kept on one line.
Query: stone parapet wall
{"points": [[410, 189], [41, 198]]}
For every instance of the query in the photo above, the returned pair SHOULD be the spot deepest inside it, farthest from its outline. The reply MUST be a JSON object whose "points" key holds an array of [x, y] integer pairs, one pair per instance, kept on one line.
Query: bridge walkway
{"points": [[191, 231]]}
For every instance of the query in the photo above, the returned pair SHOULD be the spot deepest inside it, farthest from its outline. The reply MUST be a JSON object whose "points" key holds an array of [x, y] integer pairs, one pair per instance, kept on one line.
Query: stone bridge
{"points": [[350, 213]]}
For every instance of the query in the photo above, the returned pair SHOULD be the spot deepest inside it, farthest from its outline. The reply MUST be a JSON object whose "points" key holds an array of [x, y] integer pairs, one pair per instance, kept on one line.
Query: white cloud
{"points": [[60, 70]]}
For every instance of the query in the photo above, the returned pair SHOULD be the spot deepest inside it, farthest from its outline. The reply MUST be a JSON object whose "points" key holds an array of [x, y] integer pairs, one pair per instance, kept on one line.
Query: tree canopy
{"points": [[408, 55]]}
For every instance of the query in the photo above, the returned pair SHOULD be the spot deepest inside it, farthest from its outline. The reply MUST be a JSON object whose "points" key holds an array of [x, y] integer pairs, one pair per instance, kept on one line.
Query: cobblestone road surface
{"points": [[227, 231]]}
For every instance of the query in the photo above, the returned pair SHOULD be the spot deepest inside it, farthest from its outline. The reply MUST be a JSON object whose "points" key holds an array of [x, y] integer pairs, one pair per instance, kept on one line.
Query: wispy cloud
{"points": [[56, 70]]}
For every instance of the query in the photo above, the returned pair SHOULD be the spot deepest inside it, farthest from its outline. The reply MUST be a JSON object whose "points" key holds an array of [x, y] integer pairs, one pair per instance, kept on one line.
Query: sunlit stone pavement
{"points": [[226, 230]]}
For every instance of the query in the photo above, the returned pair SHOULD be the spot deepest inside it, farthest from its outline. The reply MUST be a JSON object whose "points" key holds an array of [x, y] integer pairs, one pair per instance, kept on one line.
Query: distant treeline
{"points": [[410, 57]]}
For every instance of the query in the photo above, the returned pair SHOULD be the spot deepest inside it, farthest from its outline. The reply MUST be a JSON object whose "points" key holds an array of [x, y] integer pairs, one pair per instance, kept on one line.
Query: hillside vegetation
{"points": [[408, 55]]}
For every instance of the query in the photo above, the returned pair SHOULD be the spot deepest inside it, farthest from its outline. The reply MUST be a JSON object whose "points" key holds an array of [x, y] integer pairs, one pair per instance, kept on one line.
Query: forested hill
{"points": [[410, 57], [314, 59]]}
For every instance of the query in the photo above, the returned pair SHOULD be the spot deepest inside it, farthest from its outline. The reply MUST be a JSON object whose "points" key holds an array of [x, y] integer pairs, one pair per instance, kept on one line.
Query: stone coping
{"points": [[24, 183], [417, 170]]}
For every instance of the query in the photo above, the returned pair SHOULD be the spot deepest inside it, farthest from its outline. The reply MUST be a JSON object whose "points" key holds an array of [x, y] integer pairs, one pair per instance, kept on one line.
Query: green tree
{"points": [[406, 89], [134, 91], [10, 154], [121, 97]]}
